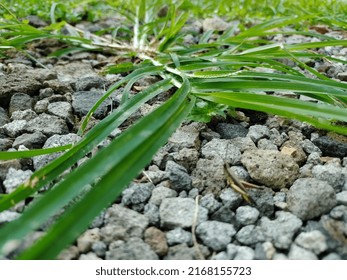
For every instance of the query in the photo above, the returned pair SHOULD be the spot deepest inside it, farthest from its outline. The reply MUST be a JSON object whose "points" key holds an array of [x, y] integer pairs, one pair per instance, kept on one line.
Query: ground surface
{"points": [[300, 211]]}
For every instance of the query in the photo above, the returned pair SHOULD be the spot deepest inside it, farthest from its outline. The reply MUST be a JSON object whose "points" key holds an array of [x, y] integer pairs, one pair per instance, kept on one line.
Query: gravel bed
{"points": [[300, 212]]}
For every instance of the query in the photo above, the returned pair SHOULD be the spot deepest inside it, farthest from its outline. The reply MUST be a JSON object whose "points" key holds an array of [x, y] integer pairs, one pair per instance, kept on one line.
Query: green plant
{"points": [[220, 71]]}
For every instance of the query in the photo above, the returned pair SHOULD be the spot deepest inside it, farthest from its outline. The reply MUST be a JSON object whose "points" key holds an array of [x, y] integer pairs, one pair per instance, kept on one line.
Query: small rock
{"points": [[257, 132], [264, 251], [180, 180], [136, 195], [31, 141], [216, 235], [27, 115], [309, 147], [339, 213], [157, 240], [133, 249], [72, 71], [62, 110], [59, 87], [5, 144], [186, 158], [15, 128], [85, 241], [314, 241], [181, 252], [14, 178], [179, 236], [230, 198], [185, 137], [5, 166], [210, 203], [20, 102], [242, 143], [215, 23], [265, 144], [47, 124], [247, 215], [221, 256], [331, 147], [54, 141], [133, 222], [83, 101], [230, 131], [89, 82], [89, 256], [151, 211], [179, 212], [330, 173], [222, 149], [293, 149], [250, 235], [341, 198], [224, 214], [3, 117], [332, 256], [70, 253], [298, 253], [309, 198], [111, 232], [41, 106], [159, 193], [270, 168], [281, 230], [244, 253], [99, 248]]}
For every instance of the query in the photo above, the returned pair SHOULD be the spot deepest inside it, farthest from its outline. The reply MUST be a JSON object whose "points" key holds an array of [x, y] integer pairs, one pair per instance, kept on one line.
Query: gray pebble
{"points": [[181, 252], [85, 241], [247, 215], [179, 212], [210, 203], [215, 23], [330, 173], [264, 251], [151, 211], [257, 132], [230, 198], [309, 198], [161, 192], [332, 256], [31, 141], [83, 101], [20, 102], [133, 249], [243, 143], [230, 131], [224, 214], [3, 117], [220, 256], [27, 115], [341, 198], [89, 256], [281, 230], [216, 235], [14, 178], [309, 147], [62, 110], [99, 248], [314, 241], [244, 253], [15, 128], [339, 213], [222, 149], [180, 180], [266, 144], [111, 232], [89, 82], [136, 195], [47, 124], [298, 253], [250, 235], [179, 236], [185, 137]]}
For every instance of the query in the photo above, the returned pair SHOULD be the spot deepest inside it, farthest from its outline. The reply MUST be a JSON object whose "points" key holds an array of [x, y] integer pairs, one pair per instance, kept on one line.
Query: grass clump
{"points": [[221, 72]]}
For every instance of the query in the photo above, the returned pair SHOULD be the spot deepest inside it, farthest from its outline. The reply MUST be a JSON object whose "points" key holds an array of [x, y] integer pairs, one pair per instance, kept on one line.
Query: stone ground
{"points": [[300, 212]]}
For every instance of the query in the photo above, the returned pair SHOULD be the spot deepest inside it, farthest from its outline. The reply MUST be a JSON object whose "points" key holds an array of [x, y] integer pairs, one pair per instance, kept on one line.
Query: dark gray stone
{"points": [[13, 83], [179, 212], [89, 82], [47, 124], [309, 198], [216, 235], [230, 131], [271, 168], [224, 214], [83, 101], [31, 141], [20, 102], [4, 119], [281, 230], [133, 249], [331, 147], [178, 176]]}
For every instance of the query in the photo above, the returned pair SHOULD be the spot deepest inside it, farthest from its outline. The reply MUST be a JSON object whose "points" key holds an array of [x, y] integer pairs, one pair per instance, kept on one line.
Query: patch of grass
{"points": [[220, 73]]}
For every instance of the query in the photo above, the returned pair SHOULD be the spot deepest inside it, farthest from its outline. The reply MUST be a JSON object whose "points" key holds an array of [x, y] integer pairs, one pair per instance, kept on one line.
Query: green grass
{"points": [[209, 78]]}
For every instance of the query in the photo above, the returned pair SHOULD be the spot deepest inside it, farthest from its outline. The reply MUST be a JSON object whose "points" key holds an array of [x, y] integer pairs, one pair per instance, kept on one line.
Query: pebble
{"points": [[30, 140], [247, 215], [314, 241], [264, 251], [63, 110], [309, 198], [209, 202], [99, 248], [151, 211], [341, 198], [185, 137], [156, 240], [112, 232], [215, 23], [161, 192], [257, 132], [47, 124], [3, 117], [330, 173], [20, 102], [222, 149], [216, 235], [180, 252], [85, 241], [331, 147], [298, 253], [230, 198], [89, 256], [250, 235], [179, 236], [26, 115], [230, 131], [179, 212], [281, 230], [236, 252], [178, 176], [83, 101], [270, 168], [15, 128], [136, 195], [14, 178]]}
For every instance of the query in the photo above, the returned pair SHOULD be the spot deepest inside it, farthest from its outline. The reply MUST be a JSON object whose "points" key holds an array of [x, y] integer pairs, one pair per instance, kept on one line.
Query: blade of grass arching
{"points": [[131, 152], [313, 45], [80, 149], [319, 115], [32, 153], [67, 189]]}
